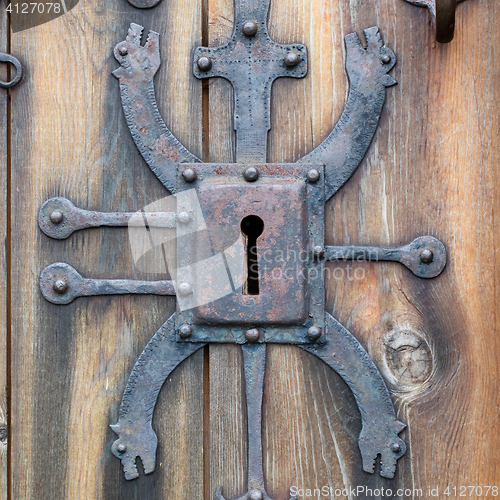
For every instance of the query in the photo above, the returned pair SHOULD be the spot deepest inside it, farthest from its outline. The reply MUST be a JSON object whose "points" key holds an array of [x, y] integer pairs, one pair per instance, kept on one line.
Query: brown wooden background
{"points": [[433, 169]]}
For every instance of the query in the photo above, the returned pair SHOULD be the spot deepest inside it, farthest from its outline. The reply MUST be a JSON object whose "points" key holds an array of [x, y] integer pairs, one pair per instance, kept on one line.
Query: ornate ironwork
{"points": [[283, 310]]}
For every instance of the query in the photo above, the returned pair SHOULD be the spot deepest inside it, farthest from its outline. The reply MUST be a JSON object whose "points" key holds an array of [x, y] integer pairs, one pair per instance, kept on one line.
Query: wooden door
{"points": [[431, 169]]}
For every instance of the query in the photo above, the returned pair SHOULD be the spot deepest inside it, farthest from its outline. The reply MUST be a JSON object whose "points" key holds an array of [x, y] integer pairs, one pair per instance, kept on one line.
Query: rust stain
{"points": [[163, 150]]}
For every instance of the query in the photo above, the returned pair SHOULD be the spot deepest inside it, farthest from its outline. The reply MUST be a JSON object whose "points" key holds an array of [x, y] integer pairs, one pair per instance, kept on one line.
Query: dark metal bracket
{"points": [[443, 13], [289, 308], [7, 58]]}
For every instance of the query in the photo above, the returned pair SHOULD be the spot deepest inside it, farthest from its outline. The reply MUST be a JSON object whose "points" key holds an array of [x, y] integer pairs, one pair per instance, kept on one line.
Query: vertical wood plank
{"points": [[227, 431], [70, 364], [433, 169], [3, 262], [312, 422]]}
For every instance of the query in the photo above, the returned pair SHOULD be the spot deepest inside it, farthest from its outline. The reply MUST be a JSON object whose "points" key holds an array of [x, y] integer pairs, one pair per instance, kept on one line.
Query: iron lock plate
{"points": [[291, 291]]}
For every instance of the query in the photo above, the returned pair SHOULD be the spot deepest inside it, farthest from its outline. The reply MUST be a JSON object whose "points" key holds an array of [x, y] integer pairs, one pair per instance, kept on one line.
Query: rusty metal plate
{"points": [[291, 281]]}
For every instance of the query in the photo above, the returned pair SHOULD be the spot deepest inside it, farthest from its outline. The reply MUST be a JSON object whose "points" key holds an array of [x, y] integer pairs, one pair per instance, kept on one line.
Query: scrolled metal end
{"points": [[425, 257], [60, 283], [56, 218]]}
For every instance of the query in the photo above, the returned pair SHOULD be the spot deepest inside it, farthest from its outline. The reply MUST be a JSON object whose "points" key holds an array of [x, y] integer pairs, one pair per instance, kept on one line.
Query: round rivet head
{"points": [[318, 252], [184, 217], [204, 63], [121, 448], [386, 59], [123, 51], [249, 28], [185, 331], [426, 256], [395, 447], [252, 335], [189, 175], [314, 333], [255, 495], [313, 175], [292, 59], [56, 217], [60, 286], [251, 174], [184, 289]]}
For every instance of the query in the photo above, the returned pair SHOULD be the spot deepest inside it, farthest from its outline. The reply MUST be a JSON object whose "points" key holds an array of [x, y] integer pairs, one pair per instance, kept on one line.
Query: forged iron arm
{"points": [[379, 434], [138, 66], [342, 151], [254, 359], [136, 435]]}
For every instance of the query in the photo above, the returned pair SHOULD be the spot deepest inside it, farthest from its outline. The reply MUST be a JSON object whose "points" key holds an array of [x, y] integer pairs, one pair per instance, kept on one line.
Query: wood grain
{"points": [[4, 255], [227, 431], [70, 364], [432, 169]]}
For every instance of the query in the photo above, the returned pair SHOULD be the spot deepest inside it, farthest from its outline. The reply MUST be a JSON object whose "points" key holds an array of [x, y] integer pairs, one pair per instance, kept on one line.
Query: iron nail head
{"points": [[60, 286], [205, 63], [386, 59], [318, 252], [292, 59], [121, 448], [426, 256], [252, 335], [184, 289], [184, 217], [185, 331], [249, 28], [314, 333], [251, 174], [123, 51], [395, 447], [189, 175], [313, 175], [255, 495], [56, 217]]}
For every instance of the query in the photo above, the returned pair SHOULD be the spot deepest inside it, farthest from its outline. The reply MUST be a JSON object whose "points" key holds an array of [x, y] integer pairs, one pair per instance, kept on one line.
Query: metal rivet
{"points": [[123, 51], [386, 59], [292, 59], [251, 174], [255, 495], [205, 63], [121, 448], [426, 256], [56, 217], [185, 331], [395, 447], [249, 28], [184, 217], [60, 286], [314, 333], [184, 289], [252, 335], [313, 175], [189, 175], [318, 252]]}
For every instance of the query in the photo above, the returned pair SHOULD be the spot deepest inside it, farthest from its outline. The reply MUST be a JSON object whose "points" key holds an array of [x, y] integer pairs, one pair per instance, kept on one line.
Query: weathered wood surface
{"points": [[432, 169], [70, 364], [4, 255]]}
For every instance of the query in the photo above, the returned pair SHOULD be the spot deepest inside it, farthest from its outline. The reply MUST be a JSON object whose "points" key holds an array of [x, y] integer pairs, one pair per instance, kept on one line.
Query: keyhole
{"points": [[252, 227]]}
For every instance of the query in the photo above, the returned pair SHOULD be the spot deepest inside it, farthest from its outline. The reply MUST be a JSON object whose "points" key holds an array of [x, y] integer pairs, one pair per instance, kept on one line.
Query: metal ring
{"points": [[7, 58], [445, 20]]}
